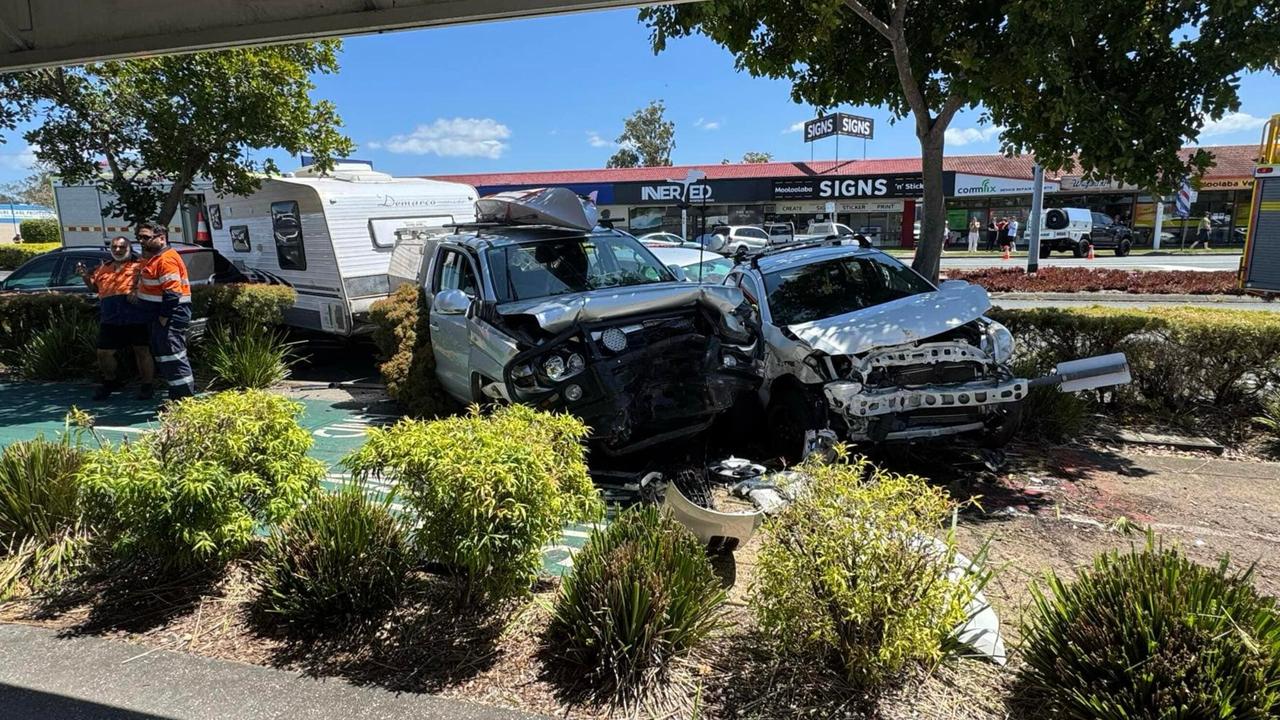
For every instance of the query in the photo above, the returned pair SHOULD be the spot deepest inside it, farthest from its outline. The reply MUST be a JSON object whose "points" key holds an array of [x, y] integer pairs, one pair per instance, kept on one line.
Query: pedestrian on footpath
{"points": [[1011, 231], [163, 288], [993, 233], [121, 323], [975, 227], [1202, 235]]}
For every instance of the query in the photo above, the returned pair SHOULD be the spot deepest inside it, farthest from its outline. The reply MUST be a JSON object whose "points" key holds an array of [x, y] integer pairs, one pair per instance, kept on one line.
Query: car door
{"points": [[1103, 233], [35, 275], [67, 278], [752, 237], [450, 341]]}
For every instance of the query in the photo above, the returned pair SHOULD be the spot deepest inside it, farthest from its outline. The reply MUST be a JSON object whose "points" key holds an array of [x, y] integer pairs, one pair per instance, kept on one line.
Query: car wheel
{"points": [[1045, 250], [1081, 248], [790, 417], [1123, 247]]}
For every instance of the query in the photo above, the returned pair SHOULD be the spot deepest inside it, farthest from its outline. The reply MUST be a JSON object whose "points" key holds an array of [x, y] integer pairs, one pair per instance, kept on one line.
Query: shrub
{"points": [[11, 256], [24, 315], [849, 573], [40, 535], [1150, 634], [344, 557], [252, 357], [488, 492], [42, 230], [404, 343], [1079, 279], [243, 305], [641, 594], [190, 494], [63, 349]]}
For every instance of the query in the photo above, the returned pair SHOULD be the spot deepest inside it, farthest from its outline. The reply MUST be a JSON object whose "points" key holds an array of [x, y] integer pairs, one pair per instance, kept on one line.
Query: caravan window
{"points": [[456, 274], [240, 238], [286, 226], [387, 232]]}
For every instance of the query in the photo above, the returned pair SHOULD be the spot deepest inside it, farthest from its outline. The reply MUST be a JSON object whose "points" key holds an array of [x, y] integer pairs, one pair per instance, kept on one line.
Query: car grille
{"points": [[943, 373]]}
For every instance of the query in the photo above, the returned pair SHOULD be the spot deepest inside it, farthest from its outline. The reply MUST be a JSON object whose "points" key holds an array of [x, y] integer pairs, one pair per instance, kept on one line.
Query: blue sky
{"points": [[551, 93]]}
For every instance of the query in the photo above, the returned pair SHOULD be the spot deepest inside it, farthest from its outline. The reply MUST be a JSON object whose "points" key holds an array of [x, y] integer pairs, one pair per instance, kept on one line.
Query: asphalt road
{"points": [[1131, 262]]}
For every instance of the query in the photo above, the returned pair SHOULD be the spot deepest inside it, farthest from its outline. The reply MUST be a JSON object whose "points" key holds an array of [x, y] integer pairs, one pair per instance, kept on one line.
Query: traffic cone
{"points": [[203, 236], [1090, 251], [1006, 253]]}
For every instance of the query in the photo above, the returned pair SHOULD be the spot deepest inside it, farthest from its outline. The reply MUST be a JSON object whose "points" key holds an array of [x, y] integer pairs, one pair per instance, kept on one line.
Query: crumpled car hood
{"points": [[563, 311], [898, 322]]}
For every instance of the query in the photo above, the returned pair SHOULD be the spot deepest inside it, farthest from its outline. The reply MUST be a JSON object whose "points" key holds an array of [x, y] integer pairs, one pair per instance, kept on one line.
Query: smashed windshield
{"points": [[835, 287], [543, 268]]}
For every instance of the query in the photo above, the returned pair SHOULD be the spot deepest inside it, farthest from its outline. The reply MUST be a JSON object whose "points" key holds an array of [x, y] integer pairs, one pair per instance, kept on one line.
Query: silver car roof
{"points": [[483, 238], [805, 256]]}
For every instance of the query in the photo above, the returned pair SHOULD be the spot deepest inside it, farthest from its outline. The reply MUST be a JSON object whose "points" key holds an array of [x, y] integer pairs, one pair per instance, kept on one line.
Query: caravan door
{"points": [[450, 337]]}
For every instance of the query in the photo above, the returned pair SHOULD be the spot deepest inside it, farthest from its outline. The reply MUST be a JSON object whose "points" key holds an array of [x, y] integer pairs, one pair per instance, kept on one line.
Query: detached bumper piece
{"points": [[850, 399]]}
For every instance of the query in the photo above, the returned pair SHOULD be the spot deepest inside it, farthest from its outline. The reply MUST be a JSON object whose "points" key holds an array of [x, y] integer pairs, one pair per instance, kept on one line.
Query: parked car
{"points": [[828, 229], [1078, 229], [781, 233], [55, 271], [588, 322], [695, 265], [730, 239], [857, 342], [664, 239]]}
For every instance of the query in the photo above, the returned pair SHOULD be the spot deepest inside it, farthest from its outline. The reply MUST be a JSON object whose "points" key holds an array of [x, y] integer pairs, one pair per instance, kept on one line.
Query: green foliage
{"points": [[647, 138], [488, 492], [191, 493], [24, 315], [755, 157], [1200, 363], [11, 256], [36, 188], [42, 231], [408, 365], [641, 594], [248, 358], [40, 532], [848, 574], [342, 558], [63, 350], [163, 120], [240, 305], [1151, 634]]}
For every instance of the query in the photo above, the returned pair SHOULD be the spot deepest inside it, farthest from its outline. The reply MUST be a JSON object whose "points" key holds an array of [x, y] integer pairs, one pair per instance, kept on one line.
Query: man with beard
{"points": [[121, 323], [163, 288]]}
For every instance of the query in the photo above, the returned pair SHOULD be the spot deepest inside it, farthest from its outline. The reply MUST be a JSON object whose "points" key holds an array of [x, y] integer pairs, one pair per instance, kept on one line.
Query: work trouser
{"points": [[169, 348]]}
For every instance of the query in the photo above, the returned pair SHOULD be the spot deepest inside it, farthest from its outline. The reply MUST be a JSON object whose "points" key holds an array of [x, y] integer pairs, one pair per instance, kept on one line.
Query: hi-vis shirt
{"points": [[114, 283], [163, 281]]}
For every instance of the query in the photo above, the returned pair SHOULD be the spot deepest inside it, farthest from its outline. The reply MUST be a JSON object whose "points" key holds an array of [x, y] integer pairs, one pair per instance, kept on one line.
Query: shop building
{"points": [[880, 197]]}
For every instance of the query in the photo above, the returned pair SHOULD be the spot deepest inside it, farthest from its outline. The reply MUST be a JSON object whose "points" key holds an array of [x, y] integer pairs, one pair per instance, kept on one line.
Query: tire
{"points": [[1056, 219], [789, 417], [1045, 250], [1081, 248], [1123, 247]]}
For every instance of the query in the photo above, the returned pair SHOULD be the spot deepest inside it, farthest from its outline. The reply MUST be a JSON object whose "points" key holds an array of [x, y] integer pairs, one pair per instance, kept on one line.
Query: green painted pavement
{"points": [[31, 409]]}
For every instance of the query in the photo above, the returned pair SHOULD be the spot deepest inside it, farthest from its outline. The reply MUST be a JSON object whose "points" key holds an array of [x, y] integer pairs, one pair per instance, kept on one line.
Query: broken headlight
{"points": [[999, 342]]}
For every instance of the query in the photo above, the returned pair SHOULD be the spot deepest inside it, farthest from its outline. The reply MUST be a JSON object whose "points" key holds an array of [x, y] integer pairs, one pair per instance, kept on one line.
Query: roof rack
{"points": [[831, 241]]}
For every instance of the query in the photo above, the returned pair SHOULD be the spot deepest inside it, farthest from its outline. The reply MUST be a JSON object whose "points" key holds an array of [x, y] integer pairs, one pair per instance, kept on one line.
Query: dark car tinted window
{"points": [[37, 273], [67, 275], [835, 287], [199, 266]]}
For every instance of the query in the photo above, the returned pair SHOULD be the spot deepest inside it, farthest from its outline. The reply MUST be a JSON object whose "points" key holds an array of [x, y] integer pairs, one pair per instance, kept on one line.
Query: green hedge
{"points": [[24, 315], [404, 343], [44, 230], [243, 304], [1207, 367], [11, 256]]}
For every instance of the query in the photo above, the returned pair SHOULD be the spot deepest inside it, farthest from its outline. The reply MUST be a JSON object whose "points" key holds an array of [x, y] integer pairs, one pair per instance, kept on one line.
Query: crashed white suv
{"points": [[857, 342]]}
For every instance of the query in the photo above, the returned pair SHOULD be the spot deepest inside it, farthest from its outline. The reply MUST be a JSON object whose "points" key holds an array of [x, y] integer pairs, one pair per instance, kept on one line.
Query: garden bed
{"points": [[1078, 279]]}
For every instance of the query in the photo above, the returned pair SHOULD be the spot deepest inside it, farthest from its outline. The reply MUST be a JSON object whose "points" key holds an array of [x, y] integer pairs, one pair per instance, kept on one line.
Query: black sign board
{"points": [[908, 185], [707, 191], [839, 124]]}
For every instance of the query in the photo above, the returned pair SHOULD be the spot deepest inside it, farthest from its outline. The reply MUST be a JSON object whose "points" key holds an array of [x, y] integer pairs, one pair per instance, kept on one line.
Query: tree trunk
{"points": [[933, 222], [172, 201]]}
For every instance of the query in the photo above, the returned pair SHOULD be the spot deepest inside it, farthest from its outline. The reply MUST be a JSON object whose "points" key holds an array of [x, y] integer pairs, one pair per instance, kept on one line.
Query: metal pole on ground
{"points": [[1037, 209], [1159, 228]]}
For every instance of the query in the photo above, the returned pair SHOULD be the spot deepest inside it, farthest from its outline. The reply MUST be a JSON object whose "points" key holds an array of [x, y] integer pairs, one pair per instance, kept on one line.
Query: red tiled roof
{"points": [[1232, 161]]}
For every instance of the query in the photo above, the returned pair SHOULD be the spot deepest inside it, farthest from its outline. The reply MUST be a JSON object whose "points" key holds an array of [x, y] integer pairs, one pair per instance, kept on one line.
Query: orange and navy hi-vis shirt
{"points": [[163, 281], [114, 283]]}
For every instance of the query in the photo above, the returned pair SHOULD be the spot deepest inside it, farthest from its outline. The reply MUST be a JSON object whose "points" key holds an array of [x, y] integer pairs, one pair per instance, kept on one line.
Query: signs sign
{"points": [[859, 186], [839, 124]]}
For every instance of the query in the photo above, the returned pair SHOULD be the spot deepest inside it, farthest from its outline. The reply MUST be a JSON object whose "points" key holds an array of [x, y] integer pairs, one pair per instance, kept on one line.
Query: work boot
{"points": [[105, 389], [146, 391]]}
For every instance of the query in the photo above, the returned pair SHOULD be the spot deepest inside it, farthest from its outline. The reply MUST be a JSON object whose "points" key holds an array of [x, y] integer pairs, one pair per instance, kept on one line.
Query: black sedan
{"points": [[55, 271]]}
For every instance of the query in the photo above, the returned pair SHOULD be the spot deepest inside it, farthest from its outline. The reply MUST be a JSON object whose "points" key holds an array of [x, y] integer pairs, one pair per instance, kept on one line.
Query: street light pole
{"points": [[1033, 223]]}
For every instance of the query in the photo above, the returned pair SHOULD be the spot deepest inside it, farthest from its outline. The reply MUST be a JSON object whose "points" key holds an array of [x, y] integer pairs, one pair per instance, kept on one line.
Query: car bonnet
{"points": [[558, 313]]}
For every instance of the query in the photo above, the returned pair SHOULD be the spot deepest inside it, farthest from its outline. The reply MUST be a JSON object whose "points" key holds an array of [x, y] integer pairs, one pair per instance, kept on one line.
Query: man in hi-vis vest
{"points": [[164, 289]]}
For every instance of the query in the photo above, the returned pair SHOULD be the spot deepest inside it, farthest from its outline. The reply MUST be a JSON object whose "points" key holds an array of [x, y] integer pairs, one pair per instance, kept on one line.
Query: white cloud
{"points": [[17, 158], [795, 127], [1231, 123], [966, 136], [451, 137], [595, 141], [707, 124]]}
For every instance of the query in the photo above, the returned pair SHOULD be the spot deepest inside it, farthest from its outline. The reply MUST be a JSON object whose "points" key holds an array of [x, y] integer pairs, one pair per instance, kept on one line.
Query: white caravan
{"points": [[331, 237]]}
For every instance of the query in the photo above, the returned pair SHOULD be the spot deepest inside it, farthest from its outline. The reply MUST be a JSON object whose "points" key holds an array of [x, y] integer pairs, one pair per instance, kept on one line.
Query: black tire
{"points": [[1123, 247], [789, 417], [1045, 250], [1081, 248], [1056, 219]]}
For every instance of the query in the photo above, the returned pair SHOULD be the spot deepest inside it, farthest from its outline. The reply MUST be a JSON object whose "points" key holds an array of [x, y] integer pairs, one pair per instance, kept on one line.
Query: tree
{"points": [[624, 158], [648, 136], [160, 123], [929, 60], [757, 157], [36, 188]]}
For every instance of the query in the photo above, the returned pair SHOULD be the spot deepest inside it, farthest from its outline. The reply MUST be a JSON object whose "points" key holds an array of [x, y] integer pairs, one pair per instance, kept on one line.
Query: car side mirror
{"points": [[678, 272], [451, 302], [952, 285]]}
